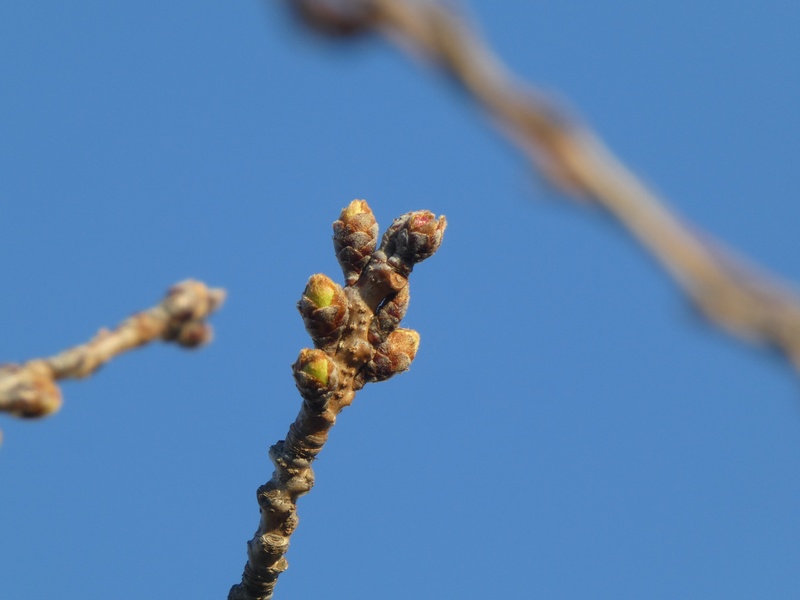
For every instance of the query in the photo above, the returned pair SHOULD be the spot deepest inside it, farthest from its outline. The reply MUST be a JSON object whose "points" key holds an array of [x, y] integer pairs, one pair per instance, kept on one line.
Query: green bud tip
{"points": [[316, 366], [320, 290]]}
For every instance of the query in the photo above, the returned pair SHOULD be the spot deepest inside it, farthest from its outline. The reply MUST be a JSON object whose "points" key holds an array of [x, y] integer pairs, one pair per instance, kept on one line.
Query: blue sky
{"points": [[569, 429]]}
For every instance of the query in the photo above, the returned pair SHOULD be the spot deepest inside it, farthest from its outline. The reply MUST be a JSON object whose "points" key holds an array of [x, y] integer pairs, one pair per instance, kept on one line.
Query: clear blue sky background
{"points": [[569, 429]]}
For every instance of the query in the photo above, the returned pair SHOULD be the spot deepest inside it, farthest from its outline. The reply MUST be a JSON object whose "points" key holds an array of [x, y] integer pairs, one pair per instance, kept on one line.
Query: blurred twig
{"points": [[30, 390], [731, 293]]}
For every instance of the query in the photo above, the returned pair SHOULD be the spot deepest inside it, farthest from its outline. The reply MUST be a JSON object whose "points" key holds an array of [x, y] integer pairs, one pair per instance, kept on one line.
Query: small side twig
{"points": [[729, 292], [29, 390], [356, 341]]}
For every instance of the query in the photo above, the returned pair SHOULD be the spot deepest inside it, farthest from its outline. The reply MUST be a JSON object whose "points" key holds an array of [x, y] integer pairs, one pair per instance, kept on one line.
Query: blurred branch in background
{"points": [[29, 390], [727, 290]]}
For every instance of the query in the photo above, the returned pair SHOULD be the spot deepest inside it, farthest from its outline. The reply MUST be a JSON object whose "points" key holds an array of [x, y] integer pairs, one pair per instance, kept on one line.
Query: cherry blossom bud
{"points": [[313, 373], [355, 235], [324, 309], [422, 235], [412, 238], [394, 355]]}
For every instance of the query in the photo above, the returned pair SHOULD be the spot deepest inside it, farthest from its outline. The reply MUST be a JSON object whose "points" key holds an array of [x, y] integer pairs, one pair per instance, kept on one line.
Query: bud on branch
{"points": [[394, 355], [355, 235], [357, 338], [324, 309], [412, 238], [313, 373]]}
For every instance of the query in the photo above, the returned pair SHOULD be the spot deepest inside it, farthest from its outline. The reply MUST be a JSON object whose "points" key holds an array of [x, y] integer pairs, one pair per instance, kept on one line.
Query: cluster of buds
{"points": [[355, 329], [357, 339]]}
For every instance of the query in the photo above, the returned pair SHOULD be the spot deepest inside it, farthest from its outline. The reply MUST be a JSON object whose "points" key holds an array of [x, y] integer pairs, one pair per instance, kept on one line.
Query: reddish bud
{"points": [[424, 235], [412, 238]]}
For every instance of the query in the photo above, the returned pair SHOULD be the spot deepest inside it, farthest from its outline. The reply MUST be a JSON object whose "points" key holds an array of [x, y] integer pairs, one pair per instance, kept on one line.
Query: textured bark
{"points": [[30, 390], [366, 345], [727, 290]]}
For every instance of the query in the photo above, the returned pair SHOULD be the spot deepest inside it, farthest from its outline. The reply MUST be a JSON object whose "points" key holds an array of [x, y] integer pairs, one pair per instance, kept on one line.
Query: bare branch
{"points": [[30, 390], [357, 340], [727, 290]]}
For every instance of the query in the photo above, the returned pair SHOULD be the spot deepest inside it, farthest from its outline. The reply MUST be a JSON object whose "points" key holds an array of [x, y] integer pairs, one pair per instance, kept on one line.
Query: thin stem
{"points": [[30, 390]]}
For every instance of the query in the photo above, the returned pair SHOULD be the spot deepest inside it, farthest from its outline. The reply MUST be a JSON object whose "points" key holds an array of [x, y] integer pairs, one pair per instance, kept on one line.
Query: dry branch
{"points": [[356, 341], [734, 295], [30, 390]]}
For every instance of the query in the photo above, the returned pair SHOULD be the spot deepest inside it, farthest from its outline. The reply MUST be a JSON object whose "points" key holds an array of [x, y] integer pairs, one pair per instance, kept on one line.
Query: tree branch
{"points": [[727, 290], [30, 390], [356, 341]]}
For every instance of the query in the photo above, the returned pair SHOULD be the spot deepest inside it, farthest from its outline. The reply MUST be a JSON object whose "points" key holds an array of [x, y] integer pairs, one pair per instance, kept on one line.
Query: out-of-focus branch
{"points": [[731, 293], [356, 341], [30, 390]]}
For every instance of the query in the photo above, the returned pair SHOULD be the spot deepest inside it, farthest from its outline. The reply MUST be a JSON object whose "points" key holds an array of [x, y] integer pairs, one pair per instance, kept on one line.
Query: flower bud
{"points": [[412, 238], [313, 372], [394, 355], [323, 307], [355, 235], [424, 235]]}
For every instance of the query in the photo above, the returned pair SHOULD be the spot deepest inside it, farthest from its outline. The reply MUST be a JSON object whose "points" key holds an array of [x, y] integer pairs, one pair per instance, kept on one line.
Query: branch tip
{"points": [[30, 390], [357, 338]]}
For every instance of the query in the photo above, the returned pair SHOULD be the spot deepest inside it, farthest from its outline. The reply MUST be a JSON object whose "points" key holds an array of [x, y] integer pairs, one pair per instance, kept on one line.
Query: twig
{"points": [[731, 293], [30, 390], [357, 340]]}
